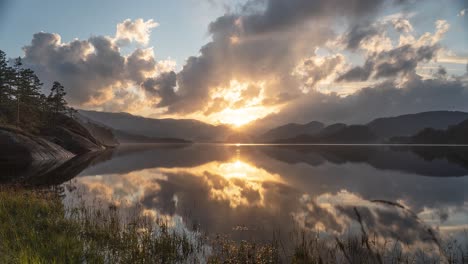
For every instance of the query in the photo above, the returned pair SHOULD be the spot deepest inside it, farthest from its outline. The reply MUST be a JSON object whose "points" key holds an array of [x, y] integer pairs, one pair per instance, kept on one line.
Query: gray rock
{"points": [[17, 146]]}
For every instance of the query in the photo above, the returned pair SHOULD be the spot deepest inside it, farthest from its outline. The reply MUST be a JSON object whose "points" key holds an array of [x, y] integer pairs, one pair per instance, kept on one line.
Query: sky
{"points": [[248, 63]]}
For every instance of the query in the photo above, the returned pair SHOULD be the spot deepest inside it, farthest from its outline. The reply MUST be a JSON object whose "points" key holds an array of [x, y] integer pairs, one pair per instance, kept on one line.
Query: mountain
{"points": [[345, 135], [408, 125], [457, 134], [187, 129], [125, 137], [292, 130], [332, 129]]}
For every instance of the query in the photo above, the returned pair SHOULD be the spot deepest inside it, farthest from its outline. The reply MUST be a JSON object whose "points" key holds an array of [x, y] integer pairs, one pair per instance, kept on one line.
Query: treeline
{"points": [[22, 102]]}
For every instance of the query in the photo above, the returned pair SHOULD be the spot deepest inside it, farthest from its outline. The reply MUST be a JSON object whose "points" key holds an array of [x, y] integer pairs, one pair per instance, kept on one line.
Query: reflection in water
{"points": [[251, 192]]}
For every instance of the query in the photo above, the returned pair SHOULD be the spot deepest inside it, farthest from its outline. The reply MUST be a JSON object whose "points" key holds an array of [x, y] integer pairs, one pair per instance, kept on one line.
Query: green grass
{"points": [[35, 227]]}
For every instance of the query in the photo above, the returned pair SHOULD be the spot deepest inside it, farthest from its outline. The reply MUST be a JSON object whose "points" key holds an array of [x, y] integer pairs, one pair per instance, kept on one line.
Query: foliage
{"points": [[22, 102]]}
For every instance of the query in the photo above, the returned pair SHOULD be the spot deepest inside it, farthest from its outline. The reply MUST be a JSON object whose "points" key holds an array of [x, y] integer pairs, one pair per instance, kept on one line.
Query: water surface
{"points": [[252, 192], [255, 192]]}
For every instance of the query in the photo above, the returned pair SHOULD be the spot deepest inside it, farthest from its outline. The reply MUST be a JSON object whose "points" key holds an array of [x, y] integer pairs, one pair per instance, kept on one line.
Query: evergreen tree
{"points": [[21, 99], [57, 98], [6, 76], [17, 81]]}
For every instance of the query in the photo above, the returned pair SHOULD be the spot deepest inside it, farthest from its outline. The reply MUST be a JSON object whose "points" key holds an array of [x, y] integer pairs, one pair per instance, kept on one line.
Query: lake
{"points": [[251, 192]]}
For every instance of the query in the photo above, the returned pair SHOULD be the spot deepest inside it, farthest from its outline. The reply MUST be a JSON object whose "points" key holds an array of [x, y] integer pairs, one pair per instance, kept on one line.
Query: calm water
{"points": [[250, 192]]}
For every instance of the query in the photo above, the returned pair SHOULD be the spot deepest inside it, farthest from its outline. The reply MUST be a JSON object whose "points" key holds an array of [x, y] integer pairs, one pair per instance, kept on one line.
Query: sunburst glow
{"points": [[242, 103]]}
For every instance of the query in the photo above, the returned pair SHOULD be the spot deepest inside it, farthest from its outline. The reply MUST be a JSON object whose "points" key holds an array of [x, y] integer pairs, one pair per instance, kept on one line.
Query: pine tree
{"points": [[21, 99], [6, 77], [57, 98], [17, 81], [3, 78]]}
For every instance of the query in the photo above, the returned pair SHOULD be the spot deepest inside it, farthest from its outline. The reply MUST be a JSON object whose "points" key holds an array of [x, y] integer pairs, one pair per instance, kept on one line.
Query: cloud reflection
{"points": [[248, 193]]}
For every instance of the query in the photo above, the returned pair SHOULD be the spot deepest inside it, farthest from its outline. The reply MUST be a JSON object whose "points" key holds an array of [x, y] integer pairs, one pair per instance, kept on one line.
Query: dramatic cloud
{"points": [[137, 30], [401, 60], [94, 71], [162, 86], [385, 99], [263, 41], [292, 60], [392, 61]]}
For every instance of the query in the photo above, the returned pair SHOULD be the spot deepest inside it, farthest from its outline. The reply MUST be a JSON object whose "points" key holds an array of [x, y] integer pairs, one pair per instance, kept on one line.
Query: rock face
{"points": [[104, 135], [73, 136], [17, 146], [62, 140]]}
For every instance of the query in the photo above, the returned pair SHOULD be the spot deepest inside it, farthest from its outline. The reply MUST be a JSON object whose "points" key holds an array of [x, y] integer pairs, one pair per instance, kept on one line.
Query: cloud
{"points": [[384, 99], [400, 60], [94, 71], [162, 86], [265, 56], [136, 30], [462, 12], [263, 41], [315, 69]]}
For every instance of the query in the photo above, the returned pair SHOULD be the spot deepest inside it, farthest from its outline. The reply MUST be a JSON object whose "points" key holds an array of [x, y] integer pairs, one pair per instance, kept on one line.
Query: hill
{"points": [[457, 134], [345, 135], [292, 130], [187, 129], [408, 125]]}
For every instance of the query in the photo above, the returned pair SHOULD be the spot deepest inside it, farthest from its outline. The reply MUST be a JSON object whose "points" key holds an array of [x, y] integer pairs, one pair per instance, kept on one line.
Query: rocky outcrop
{"points": [[64, 138], [17, 146], [73, 136], [104, 135]]}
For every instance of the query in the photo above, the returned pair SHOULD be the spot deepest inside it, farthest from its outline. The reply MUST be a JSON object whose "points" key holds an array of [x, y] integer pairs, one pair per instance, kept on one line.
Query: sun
{"points": [[240, 117], [236, 118], [242, 103]]}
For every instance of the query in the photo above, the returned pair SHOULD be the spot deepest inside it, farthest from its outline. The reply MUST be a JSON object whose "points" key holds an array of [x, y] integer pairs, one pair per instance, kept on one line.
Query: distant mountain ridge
{"points": [[186, 129], [292, 130], [410, 124], [344, 135], [380, 130], [457, 134]]}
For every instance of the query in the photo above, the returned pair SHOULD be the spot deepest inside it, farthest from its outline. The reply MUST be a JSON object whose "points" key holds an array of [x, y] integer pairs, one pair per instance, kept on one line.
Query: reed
{"points": [[35, 227]]}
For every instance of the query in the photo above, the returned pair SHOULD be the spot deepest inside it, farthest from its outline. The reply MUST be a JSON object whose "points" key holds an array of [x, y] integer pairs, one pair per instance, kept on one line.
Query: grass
{"points": [[35, 227]]}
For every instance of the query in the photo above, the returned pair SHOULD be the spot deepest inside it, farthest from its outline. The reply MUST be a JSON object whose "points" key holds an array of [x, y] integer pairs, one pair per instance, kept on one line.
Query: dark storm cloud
{"points": [[263, 39], [385, 99], [360, 32], [358, 73], [162, 86], [391, 63], [280, 14], [441, 71], [312, 72]]}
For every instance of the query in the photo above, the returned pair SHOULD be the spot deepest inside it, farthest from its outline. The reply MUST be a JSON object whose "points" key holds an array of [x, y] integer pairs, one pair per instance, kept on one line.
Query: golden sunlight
{"points": [[240, 117], [243, 103], [238, 177]]}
